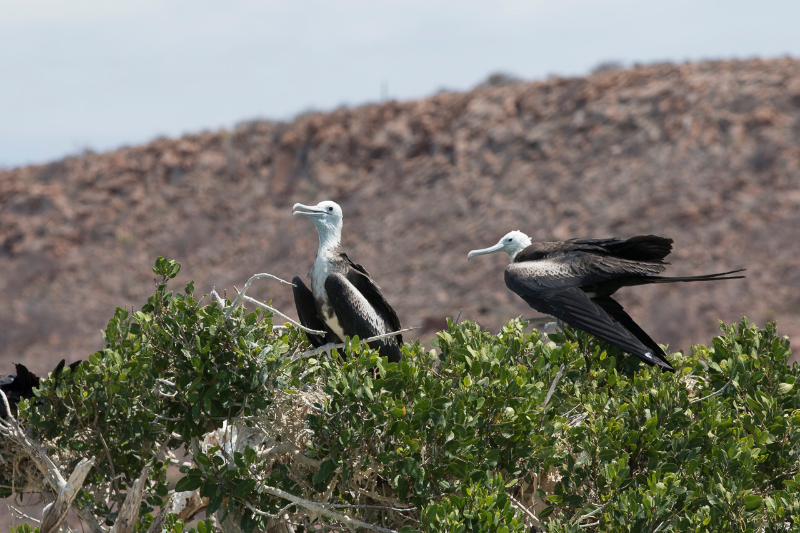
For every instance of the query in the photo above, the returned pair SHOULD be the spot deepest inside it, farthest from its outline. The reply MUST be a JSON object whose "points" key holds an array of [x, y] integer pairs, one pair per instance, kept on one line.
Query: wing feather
{"points": [[570, 304], [580, 269], [359, 316], [362, 281], [617, 312], [307, 312]]}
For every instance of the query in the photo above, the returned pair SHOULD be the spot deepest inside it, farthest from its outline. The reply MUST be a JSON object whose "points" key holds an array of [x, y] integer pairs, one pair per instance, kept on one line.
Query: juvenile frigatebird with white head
{"points": [[343, 299], [573, 281]]}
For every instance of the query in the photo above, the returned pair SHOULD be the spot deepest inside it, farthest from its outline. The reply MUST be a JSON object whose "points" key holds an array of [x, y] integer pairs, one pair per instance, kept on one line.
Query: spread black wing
{"points": [[307, 312], [562, 297], [617, 312], [641, 248]]}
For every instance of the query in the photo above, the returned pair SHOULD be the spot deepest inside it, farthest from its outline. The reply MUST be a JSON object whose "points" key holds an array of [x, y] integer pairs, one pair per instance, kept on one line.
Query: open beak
{"points": [[496, 248], [308, 210]]}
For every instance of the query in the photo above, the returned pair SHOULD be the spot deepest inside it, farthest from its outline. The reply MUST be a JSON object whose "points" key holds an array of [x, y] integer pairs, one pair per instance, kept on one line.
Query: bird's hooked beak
{"points": [[311, 211], [496, 248]]}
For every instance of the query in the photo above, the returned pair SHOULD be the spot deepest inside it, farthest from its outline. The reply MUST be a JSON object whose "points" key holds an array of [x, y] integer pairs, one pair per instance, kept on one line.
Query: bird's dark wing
{"points": [[307, 312], [581, 269], [20, 387], [361, 280], [617, 312], [571, 305], [640, 248], [358, 313]]}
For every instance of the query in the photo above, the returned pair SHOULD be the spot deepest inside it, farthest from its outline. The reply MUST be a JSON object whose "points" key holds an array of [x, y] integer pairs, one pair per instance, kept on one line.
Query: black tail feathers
{"points": [[704, 277]]}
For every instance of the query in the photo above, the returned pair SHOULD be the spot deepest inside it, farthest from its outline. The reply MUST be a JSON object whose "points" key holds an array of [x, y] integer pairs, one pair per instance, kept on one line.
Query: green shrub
{"points": [[465, 437]]}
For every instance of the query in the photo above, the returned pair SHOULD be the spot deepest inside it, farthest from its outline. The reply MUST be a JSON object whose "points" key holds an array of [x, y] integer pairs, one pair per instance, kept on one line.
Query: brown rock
{"points": [[705, 153]]}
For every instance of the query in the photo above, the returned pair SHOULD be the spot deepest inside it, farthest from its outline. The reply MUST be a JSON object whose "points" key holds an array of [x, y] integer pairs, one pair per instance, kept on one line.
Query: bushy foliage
{"points": [[482, 433]]}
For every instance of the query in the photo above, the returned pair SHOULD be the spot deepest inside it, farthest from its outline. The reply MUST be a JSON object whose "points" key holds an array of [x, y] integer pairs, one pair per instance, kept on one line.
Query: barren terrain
{"points": [[706, 153]]}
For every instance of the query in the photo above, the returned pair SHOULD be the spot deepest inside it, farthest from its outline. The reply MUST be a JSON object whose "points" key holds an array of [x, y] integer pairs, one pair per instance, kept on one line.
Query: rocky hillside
{"points": [[705, 153]]}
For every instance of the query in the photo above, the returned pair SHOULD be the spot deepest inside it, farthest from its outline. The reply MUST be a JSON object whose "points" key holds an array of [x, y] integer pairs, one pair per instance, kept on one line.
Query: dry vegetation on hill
{"points": [[705, 153]]}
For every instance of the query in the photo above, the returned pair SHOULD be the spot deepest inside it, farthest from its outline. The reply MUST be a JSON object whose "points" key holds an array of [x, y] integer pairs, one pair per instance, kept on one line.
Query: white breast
{"points": [[333, 323], [319, 273]]}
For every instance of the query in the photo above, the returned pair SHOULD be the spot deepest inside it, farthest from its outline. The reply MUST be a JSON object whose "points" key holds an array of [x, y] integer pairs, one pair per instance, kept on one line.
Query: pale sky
{"points": [[99, 74]]}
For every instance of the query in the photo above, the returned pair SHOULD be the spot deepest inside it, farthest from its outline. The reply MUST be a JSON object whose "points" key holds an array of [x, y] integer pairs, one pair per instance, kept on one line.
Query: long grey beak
{"points": [[496, 248], [308, 210]]}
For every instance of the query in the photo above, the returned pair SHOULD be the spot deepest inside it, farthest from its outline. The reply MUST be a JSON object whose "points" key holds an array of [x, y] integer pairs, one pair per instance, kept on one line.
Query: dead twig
{"points": [[550, 392], [331, 346], [715, 393]]}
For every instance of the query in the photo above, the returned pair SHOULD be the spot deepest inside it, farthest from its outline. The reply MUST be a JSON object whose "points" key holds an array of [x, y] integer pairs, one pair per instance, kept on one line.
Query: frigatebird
{"points": [[19, 386], [343, 300], [573, 281]]}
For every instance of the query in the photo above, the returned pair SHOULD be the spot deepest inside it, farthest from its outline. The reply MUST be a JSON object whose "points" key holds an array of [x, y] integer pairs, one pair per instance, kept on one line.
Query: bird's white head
{"points": [[327, 217], [512, 243]]}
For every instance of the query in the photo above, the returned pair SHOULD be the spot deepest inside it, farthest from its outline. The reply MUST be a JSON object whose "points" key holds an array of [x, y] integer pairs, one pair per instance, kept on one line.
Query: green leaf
{"points": [[203, 459], [191, 482], [324, 473], [547, 511], [607, 455], [244, 487], [250, 455], [214, 501], [752, 502]]}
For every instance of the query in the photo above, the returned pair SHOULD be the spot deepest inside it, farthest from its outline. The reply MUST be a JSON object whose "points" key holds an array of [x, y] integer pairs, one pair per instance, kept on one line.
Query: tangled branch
{"points": [[242, 297]]}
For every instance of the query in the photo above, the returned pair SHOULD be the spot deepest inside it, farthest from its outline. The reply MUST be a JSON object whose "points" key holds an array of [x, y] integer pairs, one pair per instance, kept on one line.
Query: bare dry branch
{"points": [[275, 311], [524, 509], [10, 428], [55, 513], [319, 508], [715, 393], [552, 387], [129, 512], [217, 298], [184, 505], [330, 346], [242, 297]]}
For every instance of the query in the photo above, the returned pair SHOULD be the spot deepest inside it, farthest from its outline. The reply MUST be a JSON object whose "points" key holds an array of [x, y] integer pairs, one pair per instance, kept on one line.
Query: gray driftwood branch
{"points": [[242, 297], [65, 490]]}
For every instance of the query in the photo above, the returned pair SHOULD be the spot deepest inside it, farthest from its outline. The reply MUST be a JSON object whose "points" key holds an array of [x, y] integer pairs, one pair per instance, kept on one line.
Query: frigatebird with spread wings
{"points": [[343, 299], [573, 281]]}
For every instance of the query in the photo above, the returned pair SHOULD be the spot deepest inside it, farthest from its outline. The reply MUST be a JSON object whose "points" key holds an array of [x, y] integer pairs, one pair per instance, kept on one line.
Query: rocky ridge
{"points": [[706, 153]]}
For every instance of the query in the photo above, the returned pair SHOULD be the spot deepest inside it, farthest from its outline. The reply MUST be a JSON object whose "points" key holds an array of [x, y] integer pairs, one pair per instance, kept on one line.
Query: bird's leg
{"points": [[556, 325], [546, 321], [539, 319], [328, 347]]}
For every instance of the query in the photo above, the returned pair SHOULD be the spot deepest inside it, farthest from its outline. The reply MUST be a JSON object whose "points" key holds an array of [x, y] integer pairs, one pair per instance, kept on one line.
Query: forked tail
{"points": [[705, 277]]}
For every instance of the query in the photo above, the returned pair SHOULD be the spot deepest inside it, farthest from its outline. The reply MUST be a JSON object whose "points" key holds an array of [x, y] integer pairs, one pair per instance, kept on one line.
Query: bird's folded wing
{"points": [[307, 312], [575, 308], [355, 313], [362, 281]]}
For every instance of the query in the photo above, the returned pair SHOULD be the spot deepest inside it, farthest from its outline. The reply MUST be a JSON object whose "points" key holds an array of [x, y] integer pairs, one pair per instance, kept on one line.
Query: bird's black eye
{"points": [[508, 240], [330, 208]]}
